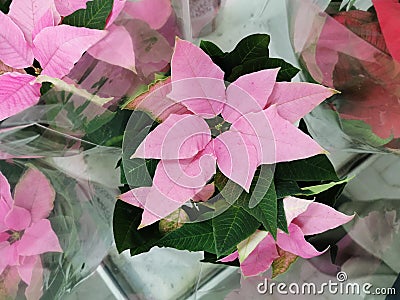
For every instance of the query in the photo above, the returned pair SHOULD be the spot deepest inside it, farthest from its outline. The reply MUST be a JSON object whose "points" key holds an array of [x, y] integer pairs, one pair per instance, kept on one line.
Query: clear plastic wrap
{"points": [[346, 50], [74, 136]]}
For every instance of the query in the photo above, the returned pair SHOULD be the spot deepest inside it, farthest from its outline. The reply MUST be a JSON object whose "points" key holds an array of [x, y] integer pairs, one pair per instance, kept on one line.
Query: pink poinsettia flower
{"points": [[260, 111], [304, 217], [31, 31], [25, 231]]}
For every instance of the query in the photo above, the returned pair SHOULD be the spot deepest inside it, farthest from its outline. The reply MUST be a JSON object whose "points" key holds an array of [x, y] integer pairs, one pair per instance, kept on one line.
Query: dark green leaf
{"points": [[251, 47], [125, 222], [139, 172], [316, 168], [5, 6], [265, 211], [94, 16], [261, 201], [250, 55], [191, 236], [11, 171], [231, 227], [211, 49], [286, 72], [111, 135], [330, 196], [282, 223], [286, 188]]}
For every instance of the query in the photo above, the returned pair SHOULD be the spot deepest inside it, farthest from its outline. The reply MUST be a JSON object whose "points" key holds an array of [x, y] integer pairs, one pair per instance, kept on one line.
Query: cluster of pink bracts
{"points": [[25, 232]]}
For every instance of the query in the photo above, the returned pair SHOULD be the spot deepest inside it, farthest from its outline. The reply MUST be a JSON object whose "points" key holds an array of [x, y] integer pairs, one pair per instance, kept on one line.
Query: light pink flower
{"points": [[259, 110], [30, 31], [25, 232], [304, 217]]}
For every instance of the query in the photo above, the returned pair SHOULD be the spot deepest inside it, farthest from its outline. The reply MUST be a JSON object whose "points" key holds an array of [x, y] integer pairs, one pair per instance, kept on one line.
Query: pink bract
{"points": [[261, 113], [116, 48], [18, 92], [303, 218], [67, 7], [58, 48], [14, 49]]}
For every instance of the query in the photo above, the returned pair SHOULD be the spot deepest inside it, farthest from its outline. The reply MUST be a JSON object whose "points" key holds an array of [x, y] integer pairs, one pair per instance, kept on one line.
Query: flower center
{"points": [[14, 236], [218, 125]]}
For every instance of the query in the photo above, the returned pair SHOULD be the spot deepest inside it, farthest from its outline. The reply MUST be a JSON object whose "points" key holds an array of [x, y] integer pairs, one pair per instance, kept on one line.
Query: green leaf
{"points": [[291, 188], [5, 6], [231, 227], [211, 49], [316, 168], [286, 72], [261, 201], [111, 135], [317, 189], [363, 132], [94, 16], [251, 47], [250, 55], [282, 222], [11, 171], [230, 190], [286, 188], [192, 237], [139, 172], [265, 211], [125, 222]]}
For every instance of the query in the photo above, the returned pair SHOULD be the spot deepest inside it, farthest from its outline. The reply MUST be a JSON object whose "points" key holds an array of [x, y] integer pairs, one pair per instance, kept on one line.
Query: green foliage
{"points": [[125, 223], [138, 172], [110, 135], [231, 227], [315, 168], [250, 55], [5, 5], [236, 214], [94, 16], [191, 236], [78, 112], [261, 201]]}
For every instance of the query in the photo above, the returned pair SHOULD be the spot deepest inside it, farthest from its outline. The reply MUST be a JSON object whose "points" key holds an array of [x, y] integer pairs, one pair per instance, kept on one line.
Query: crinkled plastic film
{"points": [[74, 139], [346, 51]]}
